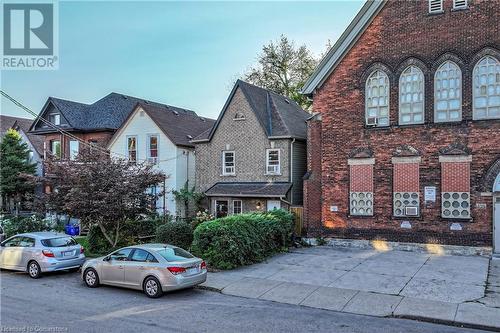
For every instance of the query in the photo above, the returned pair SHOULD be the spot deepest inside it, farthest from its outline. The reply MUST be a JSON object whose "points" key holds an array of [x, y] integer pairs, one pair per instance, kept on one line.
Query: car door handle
{"points": [[141, 267]]}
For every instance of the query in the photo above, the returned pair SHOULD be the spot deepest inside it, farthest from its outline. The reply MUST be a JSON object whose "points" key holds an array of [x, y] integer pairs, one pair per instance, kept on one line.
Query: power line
{"points": [[68, 134]]}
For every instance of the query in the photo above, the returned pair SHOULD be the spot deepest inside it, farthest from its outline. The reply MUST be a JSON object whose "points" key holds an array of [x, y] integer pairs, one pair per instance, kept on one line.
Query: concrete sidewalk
{"points": [[439, 288]]}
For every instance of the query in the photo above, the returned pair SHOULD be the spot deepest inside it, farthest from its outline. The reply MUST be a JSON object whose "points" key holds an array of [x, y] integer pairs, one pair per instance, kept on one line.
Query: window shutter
{"points": [[455, 190], [459, 4], [435, 6]]}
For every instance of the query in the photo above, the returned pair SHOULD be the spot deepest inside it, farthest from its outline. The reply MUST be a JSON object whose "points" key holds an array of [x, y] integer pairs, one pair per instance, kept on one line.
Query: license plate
{"points": [[191, 271], [68, 253]]}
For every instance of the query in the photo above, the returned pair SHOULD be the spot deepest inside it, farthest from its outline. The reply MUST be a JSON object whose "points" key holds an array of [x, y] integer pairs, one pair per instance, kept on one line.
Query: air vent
{"points": [[190, 137], [371, 121], [459, 4], [435, 6], [411, 211]]}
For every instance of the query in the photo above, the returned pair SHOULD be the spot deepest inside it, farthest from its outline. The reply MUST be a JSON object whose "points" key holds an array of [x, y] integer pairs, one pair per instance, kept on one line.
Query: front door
{"points": [[496, 226], [273, 204], [221, 208]]}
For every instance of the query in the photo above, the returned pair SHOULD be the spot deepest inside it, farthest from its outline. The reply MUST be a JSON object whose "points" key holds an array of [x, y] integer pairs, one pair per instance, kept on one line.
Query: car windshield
{"points": [[59, 242], [174, 254]]}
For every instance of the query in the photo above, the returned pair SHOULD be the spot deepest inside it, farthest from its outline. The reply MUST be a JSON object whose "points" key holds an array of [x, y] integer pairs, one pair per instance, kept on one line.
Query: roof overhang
{"points": [[346, 41], [250, 190]]}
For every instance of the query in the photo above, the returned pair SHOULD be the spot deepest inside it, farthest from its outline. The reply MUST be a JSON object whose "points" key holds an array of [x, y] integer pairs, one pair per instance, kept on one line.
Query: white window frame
{"points": [[411, 103], [127, 148], [151, 159], [278, 171], [447, 90], [52, 142], [241, 206], [73, 153], [488, 96], [378, 74], [433, 3], [224, 171], [464, 4], [57, 118]]}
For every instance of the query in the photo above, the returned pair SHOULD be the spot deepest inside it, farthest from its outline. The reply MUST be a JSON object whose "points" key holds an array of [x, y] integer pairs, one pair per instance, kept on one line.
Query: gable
{"points": [[48, 110]]}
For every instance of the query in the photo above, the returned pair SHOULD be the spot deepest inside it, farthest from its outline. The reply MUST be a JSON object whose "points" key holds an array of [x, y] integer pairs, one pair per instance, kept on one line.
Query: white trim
{"points": [[148, 147], [434, 3], [76, 151], [136, 147], [406, 159], [455, 158], [413, 70], [346, 41], [268, 150], [241, 206], [465, 5], [496, 184], [377, 75], [224, 173], [485, 95], [361, 161]]}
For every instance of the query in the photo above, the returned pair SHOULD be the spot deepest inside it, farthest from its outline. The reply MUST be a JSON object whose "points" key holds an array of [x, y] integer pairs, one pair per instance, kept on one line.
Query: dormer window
{"points": [[55, 118], [435, 6], [460, 4]]}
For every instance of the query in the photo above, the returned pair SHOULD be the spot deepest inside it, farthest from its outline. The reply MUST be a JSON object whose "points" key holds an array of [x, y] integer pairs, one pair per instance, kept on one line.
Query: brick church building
{"points": [[404, 143]]}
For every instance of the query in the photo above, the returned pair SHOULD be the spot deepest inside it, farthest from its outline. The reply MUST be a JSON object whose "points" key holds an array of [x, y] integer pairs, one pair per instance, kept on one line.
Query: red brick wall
{"points": [[406, 177], [102, 139], [403, 33], [312, 181]]}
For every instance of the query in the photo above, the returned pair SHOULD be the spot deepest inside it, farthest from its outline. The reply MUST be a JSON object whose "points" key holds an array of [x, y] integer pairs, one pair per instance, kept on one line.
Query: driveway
{"points": [[381, 283]]}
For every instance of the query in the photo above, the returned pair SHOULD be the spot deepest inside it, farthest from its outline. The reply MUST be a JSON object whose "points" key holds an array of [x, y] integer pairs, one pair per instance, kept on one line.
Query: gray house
{"points": [[254, 157]]}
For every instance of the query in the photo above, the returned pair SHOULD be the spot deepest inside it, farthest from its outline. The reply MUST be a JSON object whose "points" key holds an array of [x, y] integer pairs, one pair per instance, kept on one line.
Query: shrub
{"points": [[242, 239], [97, 243], [176, 233], [17, 225], [201, 216]]}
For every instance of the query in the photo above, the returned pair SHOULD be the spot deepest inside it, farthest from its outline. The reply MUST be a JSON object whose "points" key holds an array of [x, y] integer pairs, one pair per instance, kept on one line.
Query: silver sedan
{"points": [[40, 252], [153, 268]]}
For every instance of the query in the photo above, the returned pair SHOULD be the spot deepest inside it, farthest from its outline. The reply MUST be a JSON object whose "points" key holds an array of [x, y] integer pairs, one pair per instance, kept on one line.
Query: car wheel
{"points": [[34, 270], [91, 278], [152, 287]]}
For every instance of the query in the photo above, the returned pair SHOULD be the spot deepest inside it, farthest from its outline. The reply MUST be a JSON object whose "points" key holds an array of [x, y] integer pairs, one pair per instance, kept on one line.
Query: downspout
{"points": [[291, 166]]}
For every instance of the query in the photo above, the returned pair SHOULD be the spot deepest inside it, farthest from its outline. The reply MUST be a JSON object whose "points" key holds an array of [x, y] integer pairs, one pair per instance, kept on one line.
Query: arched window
{"points": [[487, 88], [448, 93], [377, 99], [411, 96]]}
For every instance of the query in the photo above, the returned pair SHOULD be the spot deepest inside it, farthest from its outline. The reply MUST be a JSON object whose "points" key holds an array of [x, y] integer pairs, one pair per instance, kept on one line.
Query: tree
{"points": [[15, 168], [283, 68], [187, 196], [101, 190]]}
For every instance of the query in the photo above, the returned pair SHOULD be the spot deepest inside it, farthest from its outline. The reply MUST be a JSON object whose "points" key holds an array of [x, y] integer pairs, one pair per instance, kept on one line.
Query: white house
{"points": [[161, 135]]}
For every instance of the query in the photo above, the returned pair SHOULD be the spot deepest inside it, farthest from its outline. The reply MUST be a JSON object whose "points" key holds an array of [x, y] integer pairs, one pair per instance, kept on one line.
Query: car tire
{"points": [[152, 287], [34, 270], [91, 278]]}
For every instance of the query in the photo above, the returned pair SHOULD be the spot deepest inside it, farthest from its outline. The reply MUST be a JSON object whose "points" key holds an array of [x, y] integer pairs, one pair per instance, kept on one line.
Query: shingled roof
{"points": [[7, 122], [108, 113], [253, 189], [179, 125], [278, 115]]}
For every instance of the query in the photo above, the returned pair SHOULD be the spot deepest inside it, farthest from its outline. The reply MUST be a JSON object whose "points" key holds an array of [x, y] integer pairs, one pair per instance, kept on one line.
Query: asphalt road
{"points": [[62, 303]]}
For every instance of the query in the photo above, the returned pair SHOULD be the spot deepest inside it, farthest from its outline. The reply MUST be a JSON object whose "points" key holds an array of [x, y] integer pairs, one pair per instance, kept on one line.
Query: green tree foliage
{"points": [[284, 68], [15, 167]]}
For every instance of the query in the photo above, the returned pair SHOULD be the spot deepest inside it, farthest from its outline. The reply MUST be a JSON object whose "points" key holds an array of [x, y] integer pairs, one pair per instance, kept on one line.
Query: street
{"points": [[61, 303]]}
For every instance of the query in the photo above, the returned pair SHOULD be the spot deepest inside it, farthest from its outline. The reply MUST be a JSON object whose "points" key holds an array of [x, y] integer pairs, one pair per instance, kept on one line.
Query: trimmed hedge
{"points": [[243, 239], [176, 233]]}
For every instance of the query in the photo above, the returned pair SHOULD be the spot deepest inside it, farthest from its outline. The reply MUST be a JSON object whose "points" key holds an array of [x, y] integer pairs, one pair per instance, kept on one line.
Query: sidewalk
{"points": [[440, 288]]}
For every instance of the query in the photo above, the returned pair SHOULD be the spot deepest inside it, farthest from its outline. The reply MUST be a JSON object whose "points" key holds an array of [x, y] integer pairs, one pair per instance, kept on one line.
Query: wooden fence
{"points": [[298, 213]]}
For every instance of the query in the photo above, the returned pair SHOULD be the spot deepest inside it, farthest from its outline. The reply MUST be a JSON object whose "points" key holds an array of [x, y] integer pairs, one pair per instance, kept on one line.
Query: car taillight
{"points": [[176, 270], [203, 265], [82, 249], [48, 253]]}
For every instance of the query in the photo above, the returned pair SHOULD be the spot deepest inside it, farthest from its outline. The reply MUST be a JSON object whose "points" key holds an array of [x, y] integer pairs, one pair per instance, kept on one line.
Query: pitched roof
{"points": [[24, 124], [278, 115], [179, 125], [348, 38], [108, 113], [253, 189]]}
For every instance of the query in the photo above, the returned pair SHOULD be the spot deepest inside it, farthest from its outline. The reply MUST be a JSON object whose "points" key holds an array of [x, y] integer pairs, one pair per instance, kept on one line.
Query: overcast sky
{"points": [[186, 54]]}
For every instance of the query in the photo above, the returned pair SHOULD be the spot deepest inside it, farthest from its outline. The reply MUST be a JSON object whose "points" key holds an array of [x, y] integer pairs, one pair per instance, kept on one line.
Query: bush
{"points": [[243, 239], [97, 243], [201, 216], [18, 225], [176, 233]]}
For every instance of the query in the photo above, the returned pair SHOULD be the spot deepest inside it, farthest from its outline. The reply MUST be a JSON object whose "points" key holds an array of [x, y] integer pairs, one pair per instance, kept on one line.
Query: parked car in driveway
{"points": [[41, 252], [153, 268]]}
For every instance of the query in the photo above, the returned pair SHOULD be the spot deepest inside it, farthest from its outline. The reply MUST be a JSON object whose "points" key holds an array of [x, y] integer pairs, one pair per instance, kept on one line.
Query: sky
{"points": [[187, 54]]}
